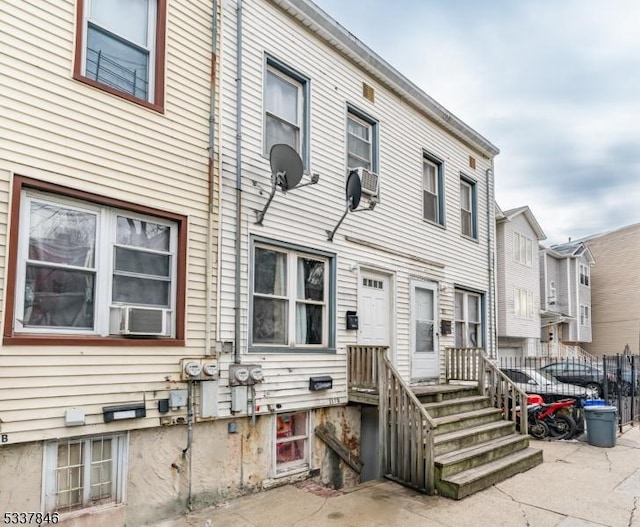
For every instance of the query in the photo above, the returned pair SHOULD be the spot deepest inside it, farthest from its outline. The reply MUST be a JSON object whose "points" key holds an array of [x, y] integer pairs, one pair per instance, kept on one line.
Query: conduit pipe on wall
{"points": [[491, 261], [238, 244]]}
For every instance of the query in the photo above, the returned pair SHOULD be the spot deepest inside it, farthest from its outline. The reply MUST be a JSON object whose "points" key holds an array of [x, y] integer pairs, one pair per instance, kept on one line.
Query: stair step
{"points": [[449, 423], [445, 443], [472, 480], [455, 406], [443, 392], [480, 454]]}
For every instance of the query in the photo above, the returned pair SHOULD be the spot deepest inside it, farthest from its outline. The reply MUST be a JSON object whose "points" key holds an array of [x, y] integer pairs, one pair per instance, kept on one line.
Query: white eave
{"points": [[328, 30]]}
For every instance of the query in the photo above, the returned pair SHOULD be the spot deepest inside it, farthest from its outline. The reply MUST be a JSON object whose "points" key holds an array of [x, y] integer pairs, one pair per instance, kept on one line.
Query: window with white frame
{"points": [[85, 472], [468, 319], [432, 190], [584, 316], [285, 108], [468, 219], [362, 137], [292, 442], [292, 298], [80, 263], [119, 46], [552, 292], [584, 275], [522, 249], [523, 303]]}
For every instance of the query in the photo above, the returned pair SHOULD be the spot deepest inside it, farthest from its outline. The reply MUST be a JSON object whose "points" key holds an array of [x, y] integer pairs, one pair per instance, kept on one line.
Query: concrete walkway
{"points": [[578, 485]]}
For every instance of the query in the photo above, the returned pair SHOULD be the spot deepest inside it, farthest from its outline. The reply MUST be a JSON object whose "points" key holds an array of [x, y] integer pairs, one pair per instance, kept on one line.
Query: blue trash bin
{"points": [[601, 425]]}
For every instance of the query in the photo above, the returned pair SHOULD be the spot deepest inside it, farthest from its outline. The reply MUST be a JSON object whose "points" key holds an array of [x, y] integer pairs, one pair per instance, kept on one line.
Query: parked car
{"points": [[533, 381], [588, 375]]}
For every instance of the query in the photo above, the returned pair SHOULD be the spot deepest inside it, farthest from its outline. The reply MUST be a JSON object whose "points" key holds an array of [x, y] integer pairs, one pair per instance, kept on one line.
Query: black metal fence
{"points": [[614, 378]]}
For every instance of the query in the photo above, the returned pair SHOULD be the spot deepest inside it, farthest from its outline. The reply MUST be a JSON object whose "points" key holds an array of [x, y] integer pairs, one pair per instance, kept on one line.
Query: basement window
{"points": [[292, 442]]}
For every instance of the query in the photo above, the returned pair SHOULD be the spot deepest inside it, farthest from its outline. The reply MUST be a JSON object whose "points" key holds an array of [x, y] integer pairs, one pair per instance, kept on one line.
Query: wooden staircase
{"points": [[474, 447], [453, 439]]}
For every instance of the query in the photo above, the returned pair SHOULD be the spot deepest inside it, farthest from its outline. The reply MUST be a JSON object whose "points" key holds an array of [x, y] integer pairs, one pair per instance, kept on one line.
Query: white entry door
{"points": [[374, 309], [425, 357]]}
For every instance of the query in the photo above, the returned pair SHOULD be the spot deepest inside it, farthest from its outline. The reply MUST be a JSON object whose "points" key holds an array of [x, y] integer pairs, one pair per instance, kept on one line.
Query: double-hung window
{"points": [[584, 275], [432, 190], [86, 472], [120, 47], [468, 319], [523, 303], [522, 249], [286, 97], [468, 212], [92, 269], [584, 316], [292, 298], [362, 140]]}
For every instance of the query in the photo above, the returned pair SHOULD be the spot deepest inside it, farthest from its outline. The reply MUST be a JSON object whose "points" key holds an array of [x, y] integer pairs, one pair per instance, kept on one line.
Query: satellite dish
{"points": [[354, 190], [286, 166]]}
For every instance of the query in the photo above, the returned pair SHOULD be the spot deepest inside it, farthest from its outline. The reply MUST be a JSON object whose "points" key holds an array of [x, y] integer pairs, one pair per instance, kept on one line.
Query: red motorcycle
{"points": [[552, 419]]}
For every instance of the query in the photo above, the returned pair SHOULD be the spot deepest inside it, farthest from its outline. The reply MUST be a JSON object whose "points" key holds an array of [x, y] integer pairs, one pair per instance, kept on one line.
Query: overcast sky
{"points": [[555, 84]]}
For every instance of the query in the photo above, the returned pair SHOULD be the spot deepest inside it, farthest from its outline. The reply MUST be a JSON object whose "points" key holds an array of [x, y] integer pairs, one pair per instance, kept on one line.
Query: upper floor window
{"points": [[285, 108], [584, 274], [552, 292], [362, 141], [584, 316], [120, 47], [88, 268], [293, 298], [468, 319], [432, 190], [468, 212], [522, 249], [523, 303]]}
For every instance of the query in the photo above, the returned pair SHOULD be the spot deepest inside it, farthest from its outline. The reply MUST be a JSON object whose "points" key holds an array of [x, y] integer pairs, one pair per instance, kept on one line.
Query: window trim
{"points": [[120, 467], [331, 293], [304, 105], [21, 183], [472, 185], [375, 138], [585, 316], [439, 164], [481, 305], [584, 278], [292, 467], [157, 103]]}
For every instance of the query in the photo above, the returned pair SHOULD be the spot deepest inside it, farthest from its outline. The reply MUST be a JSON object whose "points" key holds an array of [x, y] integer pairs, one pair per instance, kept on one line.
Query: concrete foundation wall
{"points": [[225, 465]]}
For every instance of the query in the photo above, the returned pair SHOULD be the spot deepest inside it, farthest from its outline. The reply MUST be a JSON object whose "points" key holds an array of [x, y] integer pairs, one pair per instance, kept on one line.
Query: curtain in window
{"points": [[282, 120], [270, 314], [310, 286]]}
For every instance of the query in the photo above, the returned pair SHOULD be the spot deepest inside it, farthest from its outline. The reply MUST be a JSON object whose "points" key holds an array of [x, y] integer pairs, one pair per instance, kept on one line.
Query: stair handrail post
{"points": [[383, 411]]}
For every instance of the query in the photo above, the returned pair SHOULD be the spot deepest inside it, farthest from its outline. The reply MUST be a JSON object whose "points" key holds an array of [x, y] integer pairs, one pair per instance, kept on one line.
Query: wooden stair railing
{"points": [[406, 429], [471, 364]]}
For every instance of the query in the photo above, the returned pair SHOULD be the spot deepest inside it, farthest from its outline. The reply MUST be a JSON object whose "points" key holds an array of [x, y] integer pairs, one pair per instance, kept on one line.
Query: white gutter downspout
{"points": [[491, 264], [238, 244]]}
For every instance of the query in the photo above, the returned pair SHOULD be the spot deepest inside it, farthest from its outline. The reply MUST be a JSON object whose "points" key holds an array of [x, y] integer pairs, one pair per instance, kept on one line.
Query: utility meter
{"points": [[256, 374], [210, 369], [241, 375], [192, 369]]}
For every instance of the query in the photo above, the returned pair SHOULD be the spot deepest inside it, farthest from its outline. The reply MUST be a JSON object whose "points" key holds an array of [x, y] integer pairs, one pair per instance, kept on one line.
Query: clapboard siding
{"points": [[62, 131], [302, 217], [615, 291]]}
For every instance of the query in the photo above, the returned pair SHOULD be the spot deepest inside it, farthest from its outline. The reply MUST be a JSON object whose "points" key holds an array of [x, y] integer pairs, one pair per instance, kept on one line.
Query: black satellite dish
{"points": [[354, 190], [286, 166], [286, 174]]}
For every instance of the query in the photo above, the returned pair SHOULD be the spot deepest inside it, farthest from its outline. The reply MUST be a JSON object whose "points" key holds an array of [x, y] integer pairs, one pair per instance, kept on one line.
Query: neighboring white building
{"points": [[128, 216], [518, 281], [565, 289]]}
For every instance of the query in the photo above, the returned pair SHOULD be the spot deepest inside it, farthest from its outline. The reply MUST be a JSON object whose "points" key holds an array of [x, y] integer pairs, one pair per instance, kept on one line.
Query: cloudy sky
{"points": [[555, 84]]}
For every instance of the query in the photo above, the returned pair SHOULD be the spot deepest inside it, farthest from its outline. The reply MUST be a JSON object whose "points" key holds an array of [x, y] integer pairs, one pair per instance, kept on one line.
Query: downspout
{"points": [[238, 244], [211, 182], [491, 262], [220, 37]]}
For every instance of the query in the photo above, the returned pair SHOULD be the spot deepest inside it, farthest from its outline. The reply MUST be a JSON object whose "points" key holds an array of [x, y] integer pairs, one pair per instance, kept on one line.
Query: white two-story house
{"points": [[565, 292], [518, 277]]}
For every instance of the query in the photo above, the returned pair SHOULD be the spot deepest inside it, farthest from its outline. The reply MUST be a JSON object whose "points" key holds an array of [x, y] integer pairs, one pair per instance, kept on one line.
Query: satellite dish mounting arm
{"points": [[275, 181]]}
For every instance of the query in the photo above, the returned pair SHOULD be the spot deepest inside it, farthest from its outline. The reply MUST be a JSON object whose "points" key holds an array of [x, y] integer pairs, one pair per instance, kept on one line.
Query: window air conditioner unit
{"points": [[143, 321], [368, 181]]}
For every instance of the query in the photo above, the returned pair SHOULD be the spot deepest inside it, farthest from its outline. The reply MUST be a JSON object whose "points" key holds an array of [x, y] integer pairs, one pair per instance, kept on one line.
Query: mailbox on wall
{"points": [[352, 320]]}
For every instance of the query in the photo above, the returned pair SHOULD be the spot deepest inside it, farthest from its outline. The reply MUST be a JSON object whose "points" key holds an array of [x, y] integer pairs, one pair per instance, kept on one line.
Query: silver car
{"points": [[533, 381]]}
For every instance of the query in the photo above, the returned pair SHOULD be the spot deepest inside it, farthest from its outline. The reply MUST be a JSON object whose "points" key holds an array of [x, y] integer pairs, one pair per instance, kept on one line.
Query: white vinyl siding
{"points": [[64, 132]]}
